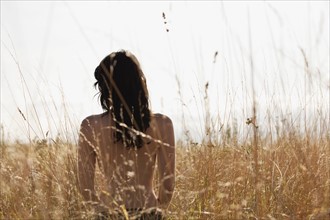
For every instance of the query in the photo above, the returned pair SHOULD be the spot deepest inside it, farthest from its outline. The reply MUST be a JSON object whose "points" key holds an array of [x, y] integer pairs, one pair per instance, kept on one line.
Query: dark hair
{"points": [[124, 94]]}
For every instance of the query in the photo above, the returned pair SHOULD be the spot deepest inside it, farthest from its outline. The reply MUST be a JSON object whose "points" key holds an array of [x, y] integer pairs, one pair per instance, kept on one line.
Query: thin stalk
{"points": [[255, 132]]}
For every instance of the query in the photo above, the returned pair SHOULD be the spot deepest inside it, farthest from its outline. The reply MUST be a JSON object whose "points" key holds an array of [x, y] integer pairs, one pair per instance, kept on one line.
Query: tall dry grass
{"points": [[38, 181], [279, 172]]}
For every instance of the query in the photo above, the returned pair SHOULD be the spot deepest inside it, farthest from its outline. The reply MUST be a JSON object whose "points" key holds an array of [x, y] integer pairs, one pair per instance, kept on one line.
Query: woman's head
{"points": [[123, 93]]}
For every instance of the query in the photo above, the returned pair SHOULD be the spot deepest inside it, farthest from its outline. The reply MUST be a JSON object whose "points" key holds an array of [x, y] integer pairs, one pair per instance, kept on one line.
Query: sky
{"points": [[50, 49]]}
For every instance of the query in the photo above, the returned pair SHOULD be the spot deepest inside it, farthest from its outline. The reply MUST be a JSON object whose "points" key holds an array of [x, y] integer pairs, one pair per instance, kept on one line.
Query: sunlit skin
{"points": [[128, 172]]}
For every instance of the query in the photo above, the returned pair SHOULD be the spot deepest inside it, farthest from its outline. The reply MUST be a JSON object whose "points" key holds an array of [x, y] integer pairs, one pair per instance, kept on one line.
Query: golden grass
{"points": [[38, 181]]}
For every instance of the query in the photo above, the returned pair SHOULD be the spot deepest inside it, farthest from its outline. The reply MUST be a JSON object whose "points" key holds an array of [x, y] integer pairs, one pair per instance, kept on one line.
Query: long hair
{"points": [[124, 94]]}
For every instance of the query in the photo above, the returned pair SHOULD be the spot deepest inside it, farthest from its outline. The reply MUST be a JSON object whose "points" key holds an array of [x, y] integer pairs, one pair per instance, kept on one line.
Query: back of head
{"points": [[123, 93]]}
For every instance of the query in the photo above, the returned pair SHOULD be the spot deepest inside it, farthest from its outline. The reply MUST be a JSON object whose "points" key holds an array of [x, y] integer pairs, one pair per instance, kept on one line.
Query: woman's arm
{"points": [[166, 162], [86, 162]]}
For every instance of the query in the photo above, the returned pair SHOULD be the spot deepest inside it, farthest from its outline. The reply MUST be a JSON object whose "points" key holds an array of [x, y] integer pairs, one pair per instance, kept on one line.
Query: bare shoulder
{"points": [[164, 131], [162, 125], [90, 121], [162, 119]]}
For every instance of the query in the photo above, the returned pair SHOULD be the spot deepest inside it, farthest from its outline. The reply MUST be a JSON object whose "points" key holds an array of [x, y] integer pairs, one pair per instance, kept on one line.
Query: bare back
{"points": [[128, 172]]}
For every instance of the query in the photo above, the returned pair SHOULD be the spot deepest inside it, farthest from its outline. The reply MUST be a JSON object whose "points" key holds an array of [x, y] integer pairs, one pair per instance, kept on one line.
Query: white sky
{"points": [[58, 45]]}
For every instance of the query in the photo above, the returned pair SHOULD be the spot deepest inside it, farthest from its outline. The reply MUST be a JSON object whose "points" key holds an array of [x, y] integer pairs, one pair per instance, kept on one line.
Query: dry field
{"points": [[214, 181], [280, 170]]}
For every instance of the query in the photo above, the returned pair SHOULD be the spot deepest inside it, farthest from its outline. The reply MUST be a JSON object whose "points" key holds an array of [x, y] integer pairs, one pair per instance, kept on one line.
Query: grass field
{"points": [[276, 165], [214, 181], [273, 167]]}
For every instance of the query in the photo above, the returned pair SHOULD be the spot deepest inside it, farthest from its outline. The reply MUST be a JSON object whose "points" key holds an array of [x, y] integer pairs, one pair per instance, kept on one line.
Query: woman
{"points": [[126, 141]]}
